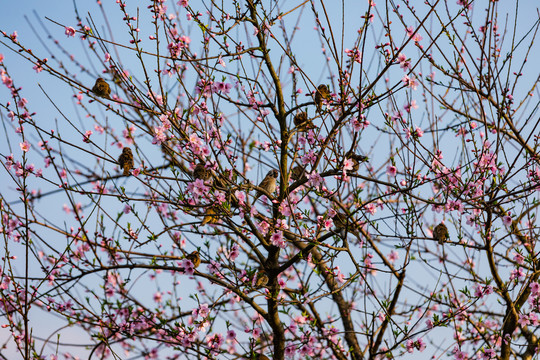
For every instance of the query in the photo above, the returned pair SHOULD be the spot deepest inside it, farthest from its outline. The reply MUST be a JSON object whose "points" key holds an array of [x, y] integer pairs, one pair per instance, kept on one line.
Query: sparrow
{"points": [[297, 173], [344, 224], [440, 233], [210, 216], [195, 258], [102, 89], [201, 172], [261, 279], [125, 160], [356, 160], [230, 176], [258, 356], [268, 183], [321, 93], [302, 122]]}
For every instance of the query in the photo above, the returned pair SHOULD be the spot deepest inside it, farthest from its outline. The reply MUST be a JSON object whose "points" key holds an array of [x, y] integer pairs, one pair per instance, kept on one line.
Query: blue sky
{"points": [[12, 18]]}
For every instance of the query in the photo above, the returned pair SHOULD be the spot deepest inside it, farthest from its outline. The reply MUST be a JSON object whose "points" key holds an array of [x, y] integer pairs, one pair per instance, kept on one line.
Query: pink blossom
{"points": [[409, 106], [459, 355], [535, 288], [70, 31], [410, 82], [86, 136], [188, 266], [290, 350], [354, 54], [328, 223], [233, 253], [489, 354], [159, 135], [339, 275], [314, 179], [277, 239], [25, 146], [202, 311], [517, 274], [410, 346], [183, 3], [213, 267], [38, 67], [263, 227], [22, 102], [393, 256], [371, 208], [198, 188], [523, 320], [403, 62], [465, 3], [507, 220], [391, 170], [241, 196], [347, 164]]}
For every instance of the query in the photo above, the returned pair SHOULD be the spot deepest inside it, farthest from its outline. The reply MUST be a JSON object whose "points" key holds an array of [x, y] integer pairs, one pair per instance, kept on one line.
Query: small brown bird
{"points": [[258, 356], [321, 93], [125, 160], [440, 233], [261, 279], [195, 258], [344, 224], [356, 160], [201, 172], [102, 89], [269, 183], [302, 122], [230, 175], [210, 216], [297, 173]]}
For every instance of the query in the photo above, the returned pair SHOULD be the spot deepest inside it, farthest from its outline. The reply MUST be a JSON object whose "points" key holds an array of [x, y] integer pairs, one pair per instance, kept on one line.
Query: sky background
{"points": [[12, 18]]}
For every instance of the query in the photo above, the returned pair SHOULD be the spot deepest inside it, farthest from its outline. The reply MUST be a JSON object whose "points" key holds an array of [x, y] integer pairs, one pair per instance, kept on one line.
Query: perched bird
{"points": [[356, 160], [102, 89], [261, 279], [195, 258], [210, 216], [297, 173], [230, 175], [344, 224], [201, 172], [321, 93], [440, 233], [258, 356], [125, 160], [302, 122], [269, 183]]}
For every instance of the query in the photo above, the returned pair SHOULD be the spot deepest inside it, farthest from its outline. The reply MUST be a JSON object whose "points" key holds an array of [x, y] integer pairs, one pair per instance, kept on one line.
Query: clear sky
{"points": [[12, 18]]}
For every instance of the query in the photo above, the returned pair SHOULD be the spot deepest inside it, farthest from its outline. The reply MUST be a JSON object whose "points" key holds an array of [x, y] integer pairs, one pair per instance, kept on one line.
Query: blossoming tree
{"points": [[263, 179]]}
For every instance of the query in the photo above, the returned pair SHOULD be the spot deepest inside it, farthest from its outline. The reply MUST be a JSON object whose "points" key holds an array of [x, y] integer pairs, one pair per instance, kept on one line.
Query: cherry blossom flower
{"points": [[277, 239], [25, 146], [70, 31], [404, 63]]}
